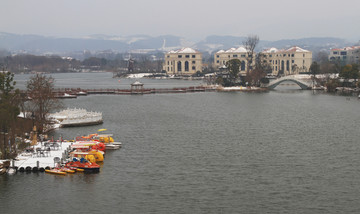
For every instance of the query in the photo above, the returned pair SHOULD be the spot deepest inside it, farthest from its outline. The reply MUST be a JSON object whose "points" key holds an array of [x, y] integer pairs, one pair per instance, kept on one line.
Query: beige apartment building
{"points": [[294, 60], [221, 57], [346, 55], [185, 61]]}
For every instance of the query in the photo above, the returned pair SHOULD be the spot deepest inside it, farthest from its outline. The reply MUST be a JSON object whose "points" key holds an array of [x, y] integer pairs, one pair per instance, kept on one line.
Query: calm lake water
{"points": [[283, 151]]}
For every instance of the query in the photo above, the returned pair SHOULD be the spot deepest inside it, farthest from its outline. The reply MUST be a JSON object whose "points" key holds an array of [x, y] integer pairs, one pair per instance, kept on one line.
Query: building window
{"points": [[343, 53], [179, 56], [243, 55], [335, 52], [186, 66], [193, 68], [304, 55], [292, 61], [292, 55], [193, 62], [168, 69], [287, 65], [270, 55], [284, 54], [217, 56], [242, 67], [234, 55], [187, 56], [193, 56], [168, 62], [217, 61], [168, 56], [179, 66]]}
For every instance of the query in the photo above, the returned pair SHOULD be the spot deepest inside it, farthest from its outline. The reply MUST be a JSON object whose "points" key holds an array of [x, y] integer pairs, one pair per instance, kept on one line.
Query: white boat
{"points": [[66, 95], [77, 117], [81, 93], [117, 143], [108, 141], [111, 146]]}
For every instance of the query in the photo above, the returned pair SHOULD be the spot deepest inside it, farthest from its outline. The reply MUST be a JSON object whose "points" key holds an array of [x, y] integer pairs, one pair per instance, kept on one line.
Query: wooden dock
{"points": [[75, 92]]}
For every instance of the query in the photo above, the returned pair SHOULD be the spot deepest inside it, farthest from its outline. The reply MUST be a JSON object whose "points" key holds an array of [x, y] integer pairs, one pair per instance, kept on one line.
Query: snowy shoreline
{"points": [[241, 88]]}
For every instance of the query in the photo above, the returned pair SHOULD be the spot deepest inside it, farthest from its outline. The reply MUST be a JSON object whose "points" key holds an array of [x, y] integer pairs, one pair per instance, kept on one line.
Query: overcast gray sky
{"points": [[192, 19]]}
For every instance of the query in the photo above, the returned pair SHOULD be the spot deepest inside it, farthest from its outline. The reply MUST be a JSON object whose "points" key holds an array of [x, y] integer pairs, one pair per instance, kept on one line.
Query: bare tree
{"points": [[250, 44], [262, 67], [42, 99], [321, 57]]}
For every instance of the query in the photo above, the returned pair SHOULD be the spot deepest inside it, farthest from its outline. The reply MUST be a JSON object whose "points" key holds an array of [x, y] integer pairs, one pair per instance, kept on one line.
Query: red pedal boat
{"points": [[84, 164]]}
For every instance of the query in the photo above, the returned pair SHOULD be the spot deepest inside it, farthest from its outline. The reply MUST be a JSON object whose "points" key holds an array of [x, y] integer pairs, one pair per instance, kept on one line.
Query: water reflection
{"points": [[272, 152]]}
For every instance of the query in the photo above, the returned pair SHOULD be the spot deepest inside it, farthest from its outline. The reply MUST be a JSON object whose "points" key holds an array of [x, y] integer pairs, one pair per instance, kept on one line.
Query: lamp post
{"points": [[34, 134], [32, 118]]}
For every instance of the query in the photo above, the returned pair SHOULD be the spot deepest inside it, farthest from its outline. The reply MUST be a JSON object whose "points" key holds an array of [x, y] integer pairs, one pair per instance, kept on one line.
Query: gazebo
{"points": [[137, 87]]}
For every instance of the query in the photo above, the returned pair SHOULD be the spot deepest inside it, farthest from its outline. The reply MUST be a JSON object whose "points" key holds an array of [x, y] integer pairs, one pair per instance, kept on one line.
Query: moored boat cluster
{"points": [[66, 157]]}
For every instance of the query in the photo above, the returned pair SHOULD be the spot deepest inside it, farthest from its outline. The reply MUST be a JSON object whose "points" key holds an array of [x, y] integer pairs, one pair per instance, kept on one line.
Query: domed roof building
{"points": [[183, 62], [290, 61], [223, 56]]}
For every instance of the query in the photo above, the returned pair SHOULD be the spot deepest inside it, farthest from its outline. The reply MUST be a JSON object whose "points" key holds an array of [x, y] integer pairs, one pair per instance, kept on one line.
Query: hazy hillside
{"points": [[41, 44], [36, 44], [213, 43]]}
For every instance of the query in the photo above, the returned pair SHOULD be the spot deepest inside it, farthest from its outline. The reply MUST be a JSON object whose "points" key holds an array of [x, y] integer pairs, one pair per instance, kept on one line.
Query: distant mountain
{"points": [[312, 44], [214, 43], [35, 44], [41, 44]]}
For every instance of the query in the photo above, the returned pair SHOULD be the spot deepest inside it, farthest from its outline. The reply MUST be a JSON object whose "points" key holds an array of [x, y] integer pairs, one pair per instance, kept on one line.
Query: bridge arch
{"points": [[277, 82]]}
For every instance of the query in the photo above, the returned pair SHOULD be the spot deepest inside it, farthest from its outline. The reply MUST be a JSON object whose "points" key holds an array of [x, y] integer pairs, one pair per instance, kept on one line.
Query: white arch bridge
{"points": [[304, 83]]}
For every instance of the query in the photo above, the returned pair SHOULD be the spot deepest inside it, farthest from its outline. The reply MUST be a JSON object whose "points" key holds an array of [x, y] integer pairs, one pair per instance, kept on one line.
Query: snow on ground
{"points": [[239, 88], [28, 159], [136, 76]]}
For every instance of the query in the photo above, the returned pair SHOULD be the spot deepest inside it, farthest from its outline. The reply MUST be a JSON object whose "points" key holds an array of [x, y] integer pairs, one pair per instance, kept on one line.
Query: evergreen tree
{"points": [[9, 110], [233, 67]]}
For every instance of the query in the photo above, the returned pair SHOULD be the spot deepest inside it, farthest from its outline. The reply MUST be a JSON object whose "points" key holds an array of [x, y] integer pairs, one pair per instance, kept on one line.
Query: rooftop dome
{"points": [[270, 50], [296, 49], [184, 51], [137, 83], [240, 49]]}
